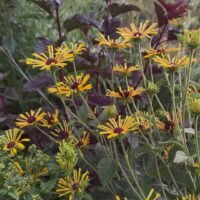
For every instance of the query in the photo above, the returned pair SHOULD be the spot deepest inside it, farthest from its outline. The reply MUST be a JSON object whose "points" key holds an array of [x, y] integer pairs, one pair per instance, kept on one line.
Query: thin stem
{"points": [[159, 177], [131, 170], [196, 138], [124, 173], [47, 135]]}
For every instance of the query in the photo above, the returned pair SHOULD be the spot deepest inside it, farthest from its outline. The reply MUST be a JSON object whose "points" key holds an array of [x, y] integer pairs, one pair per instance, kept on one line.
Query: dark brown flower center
{"points": [[160, 51], [75, 186], [80, 144], [75, 85], [31, 119], [11, 145], [51, 61], [141, 127], [169, 125], [118, 130], [50, 120], [63, 134], [137, 34], [126, 94]]}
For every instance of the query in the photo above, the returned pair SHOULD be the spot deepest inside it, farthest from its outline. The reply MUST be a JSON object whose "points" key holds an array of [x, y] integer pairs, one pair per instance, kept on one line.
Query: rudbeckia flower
{"points": [[172, 63], [72, 186], [127, 94], [83, 141], [14, 141], [71, 85], [50, 119], [189, 197], [62, 130], [135, 33], [30, 118], [117, 128], [55, 58], [119, 43], [125, 70], [154, 52]]}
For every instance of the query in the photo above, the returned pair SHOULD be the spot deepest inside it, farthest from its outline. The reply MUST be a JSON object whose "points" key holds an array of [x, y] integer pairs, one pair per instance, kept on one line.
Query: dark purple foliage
{"points": [[99, 100], [117, 9], [42, 80]]}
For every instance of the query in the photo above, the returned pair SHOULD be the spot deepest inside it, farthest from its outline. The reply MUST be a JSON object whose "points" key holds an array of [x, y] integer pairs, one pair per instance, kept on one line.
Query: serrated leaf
{"points": [[180, 157], [106, 170]]}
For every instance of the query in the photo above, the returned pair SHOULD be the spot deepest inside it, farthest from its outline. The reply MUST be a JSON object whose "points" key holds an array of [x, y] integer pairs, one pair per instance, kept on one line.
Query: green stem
{"points": [[131, 170], [196, 138], [124, 173], [47, 135]]}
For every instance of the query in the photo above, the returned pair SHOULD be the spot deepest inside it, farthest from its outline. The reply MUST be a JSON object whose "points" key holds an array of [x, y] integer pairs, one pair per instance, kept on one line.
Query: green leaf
{"points": [[106, 169]]}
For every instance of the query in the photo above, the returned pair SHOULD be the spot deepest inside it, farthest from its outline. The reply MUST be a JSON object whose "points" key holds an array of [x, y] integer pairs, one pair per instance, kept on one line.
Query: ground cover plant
{"points": [[100, 100]]}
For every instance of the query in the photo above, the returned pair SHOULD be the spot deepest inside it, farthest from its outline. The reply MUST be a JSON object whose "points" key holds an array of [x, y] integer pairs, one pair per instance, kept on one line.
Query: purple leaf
{"points": [[117, 9], [161, 14], [172, 35], [41, 44], [175, 10], [80, 21], [99, 100], [45, 5], [40, 81], [109, 27]]}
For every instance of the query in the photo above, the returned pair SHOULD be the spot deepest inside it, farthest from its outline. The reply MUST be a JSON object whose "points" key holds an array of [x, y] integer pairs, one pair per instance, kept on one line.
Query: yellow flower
{"points": [[113, 43], [192, 38], [71, 85], [79, 83], [72, 186], [153, 52], [172, 63], [50, 119], [152, 196], [75, 49], [60, 89], [127, 94], [30, 118], [169, 123], [143, 122], [55, 58], [117, 128], [176, 22], [83, 141], [118, 198], [14, 141], [125, 70], [189, 197], [135, 33], [62, 131]]}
